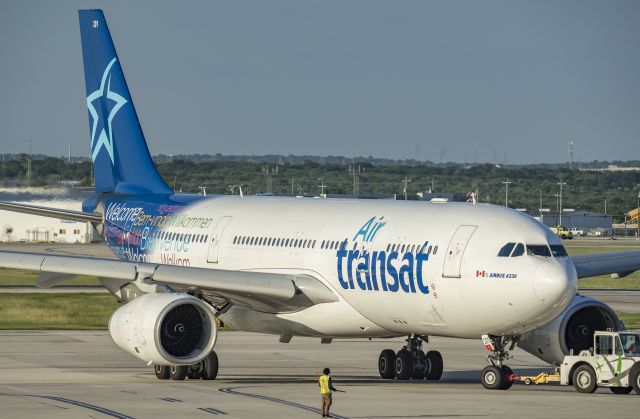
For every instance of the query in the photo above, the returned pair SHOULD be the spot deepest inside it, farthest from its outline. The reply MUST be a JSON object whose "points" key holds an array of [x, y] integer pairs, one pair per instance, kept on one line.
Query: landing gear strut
{"points": [[207, 369], [498, 376], [410, 362]]}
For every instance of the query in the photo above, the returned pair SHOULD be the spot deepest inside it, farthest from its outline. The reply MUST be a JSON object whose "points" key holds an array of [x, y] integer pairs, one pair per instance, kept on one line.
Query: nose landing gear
{"points": [[498, 376], [410, 362]]}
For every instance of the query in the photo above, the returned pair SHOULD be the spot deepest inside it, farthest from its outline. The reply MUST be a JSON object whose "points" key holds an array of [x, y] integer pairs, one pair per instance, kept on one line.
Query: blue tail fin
{"points": [[121, 159]]}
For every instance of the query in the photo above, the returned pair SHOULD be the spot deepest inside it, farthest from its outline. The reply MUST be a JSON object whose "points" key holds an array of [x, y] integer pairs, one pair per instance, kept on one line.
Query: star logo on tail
{"points": [[101, 133]]}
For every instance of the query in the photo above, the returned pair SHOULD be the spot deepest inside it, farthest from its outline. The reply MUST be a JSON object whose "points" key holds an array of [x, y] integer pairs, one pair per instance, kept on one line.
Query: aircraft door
{"points": [[216, 237], [455, 251]]}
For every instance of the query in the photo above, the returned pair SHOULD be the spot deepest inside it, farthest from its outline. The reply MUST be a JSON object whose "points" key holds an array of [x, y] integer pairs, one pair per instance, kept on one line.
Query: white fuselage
{"points": [[397, 267]]}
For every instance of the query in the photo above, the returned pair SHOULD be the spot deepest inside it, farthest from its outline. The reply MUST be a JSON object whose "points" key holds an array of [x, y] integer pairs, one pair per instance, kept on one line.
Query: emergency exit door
{"points": [[455, 251], [216, 238]]}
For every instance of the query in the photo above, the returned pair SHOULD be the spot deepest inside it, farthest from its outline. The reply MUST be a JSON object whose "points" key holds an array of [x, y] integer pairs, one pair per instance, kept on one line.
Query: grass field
{"points": [[22, 277], [630, 320], [56, 311], [42, 311]]}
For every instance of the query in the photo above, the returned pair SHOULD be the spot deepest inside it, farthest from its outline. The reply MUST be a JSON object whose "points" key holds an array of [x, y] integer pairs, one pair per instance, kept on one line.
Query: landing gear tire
{"points": [[404, 365], [420, 365], [498, 376], [178, 372], [621, 390], [386, 364], [507, 382], [634, 377], [210, 367], [194, 372], [584, 379], [435, 365], [492, 377], [162, 371]]}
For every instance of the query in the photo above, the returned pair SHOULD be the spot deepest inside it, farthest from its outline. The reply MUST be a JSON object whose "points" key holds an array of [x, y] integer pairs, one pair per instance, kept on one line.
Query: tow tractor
{"points": [[613, 362]]}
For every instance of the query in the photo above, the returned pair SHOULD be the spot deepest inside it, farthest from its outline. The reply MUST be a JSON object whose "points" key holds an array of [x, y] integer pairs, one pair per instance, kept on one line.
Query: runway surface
{"points": [[620, 300], [80, 374]]}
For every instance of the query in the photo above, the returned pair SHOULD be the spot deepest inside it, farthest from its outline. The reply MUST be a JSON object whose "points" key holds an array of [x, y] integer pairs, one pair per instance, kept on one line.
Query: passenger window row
{"points": [[183, 237], [326, 244], [333, 244], [412, 248], [274, 242]]}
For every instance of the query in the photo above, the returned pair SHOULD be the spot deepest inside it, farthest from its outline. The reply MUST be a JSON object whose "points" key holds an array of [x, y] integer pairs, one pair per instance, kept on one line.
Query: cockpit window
{"points": [[506, 250], [558, 250], [518, 251], [538, 250]]}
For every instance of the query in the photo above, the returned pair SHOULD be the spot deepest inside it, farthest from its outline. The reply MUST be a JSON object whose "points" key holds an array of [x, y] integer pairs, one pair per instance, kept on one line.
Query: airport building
{"points": [[17, 227], [590, 223]]}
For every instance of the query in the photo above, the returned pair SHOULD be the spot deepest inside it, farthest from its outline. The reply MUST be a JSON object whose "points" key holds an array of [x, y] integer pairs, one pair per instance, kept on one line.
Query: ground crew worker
{"points": [[326, 387]]}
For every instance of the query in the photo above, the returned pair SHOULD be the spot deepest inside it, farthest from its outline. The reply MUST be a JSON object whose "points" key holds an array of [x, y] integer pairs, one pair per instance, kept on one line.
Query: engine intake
{"points": [[165, 329], [571, 330]]}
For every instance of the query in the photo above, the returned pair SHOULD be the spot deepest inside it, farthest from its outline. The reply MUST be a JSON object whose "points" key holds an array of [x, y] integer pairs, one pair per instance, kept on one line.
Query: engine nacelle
{"points": [[573, 329], [165, 329]]}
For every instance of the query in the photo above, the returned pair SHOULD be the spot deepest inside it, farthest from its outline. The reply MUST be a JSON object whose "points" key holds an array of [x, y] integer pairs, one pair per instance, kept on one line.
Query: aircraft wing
{"points": [[62, 214], [618, 264], [269, 292]]}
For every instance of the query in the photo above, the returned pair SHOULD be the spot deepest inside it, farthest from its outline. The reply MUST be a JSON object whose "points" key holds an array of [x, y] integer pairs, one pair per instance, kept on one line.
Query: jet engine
{"points": [[571, 330], [165, 329]]}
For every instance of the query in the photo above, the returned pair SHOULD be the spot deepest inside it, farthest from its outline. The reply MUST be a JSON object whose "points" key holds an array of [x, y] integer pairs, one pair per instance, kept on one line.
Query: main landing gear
{"points": [[207, 369], [410, 362], [498, 376]]}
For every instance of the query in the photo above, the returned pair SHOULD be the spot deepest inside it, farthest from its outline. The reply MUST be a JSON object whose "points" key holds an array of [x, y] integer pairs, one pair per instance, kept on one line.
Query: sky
{"points": [[477, 81]]}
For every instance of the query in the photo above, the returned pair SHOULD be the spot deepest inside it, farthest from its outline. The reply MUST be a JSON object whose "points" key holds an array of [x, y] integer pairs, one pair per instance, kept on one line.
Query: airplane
{"points": [[323, 268]]}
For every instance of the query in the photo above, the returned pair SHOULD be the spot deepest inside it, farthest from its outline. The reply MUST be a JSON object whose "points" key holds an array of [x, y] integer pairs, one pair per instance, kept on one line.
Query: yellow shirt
{"points": [[324, 384]]}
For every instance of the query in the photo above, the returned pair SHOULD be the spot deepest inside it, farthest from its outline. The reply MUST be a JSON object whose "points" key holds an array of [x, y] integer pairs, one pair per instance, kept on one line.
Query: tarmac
{"points": [[81, 374]]}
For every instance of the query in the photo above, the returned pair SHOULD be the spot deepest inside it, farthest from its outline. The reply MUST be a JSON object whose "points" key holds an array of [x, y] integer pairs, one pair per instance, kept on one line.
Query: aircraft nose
{"points": [[554, 281]]}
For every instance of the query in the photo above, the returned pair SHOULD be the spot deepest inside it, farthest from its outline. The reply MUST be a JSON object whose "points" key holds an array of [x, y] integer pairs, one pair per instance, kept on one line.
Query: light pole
{"points": [[638, 219], [406, 182], [540, 208], [571, 143], [506, 192], [560, 205]]}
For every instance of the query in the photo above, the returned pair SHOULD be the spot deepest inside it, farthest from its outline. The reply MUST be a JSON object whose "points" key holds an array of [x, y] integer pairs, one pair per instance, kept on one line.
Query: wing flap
{"points": [[271, 286], [73, 265], [619, 263]]}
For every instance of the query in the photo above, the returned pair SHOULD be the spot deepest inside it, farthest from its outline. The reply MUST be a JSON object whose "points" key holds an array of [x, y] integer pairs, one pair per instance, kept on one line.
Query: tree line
{"points": [[530, 187]]}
